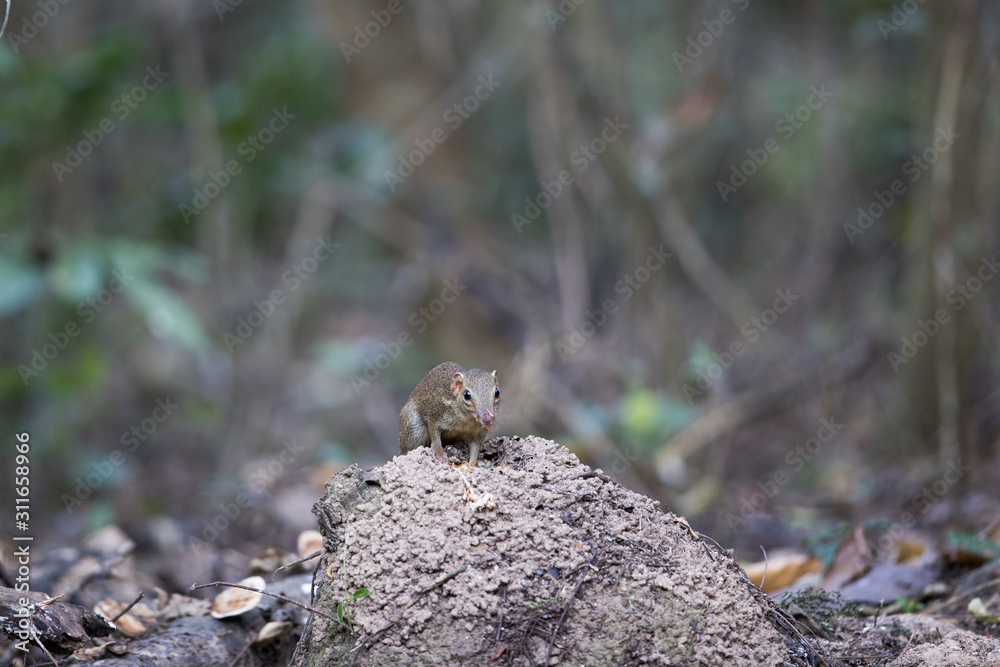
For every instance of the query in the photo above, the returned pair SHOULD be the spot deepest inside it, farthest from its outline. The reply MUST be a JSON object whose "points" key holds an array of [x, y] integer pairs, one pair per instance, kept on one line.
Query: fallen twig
{"points": [[443, 578], [763, 576], [955, 598], [126, 609], [243, 650], [305, 558], [276, 596], [367, 639], [585, 475], [34, 633]]}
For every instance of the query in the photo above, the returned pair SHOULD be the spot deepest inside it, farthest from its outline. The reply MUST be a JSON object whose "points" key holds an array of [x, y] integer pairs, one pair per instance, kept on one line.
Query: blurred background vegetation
{"points": [[309, 204]]}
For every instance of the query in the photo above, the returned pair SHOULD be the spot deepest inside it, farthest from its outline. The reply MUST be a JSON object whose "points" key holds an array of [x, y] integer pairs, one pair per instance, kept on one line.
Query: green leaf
{"points": [[646, 414], [973, 544], [360, 593], [639, 410], [340, 612], [701, 359], [144, 259], [78, 273], [167, 315], [138, 258], [978, 609], [20, 284], [84, 371]]}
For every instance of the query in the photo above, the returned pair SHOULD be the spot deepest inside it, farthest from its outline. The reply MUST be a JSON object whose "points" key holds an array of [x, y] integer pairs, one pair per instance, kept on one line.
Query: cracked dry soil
{"points": [[567, 567]]}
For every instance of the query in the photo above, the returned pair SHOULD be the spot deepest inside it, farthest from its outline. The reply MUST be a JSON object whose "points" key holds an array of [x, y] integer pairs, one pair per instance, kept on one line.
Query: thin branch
{"points": [[955, 598], [276, 596], [6, 15], [305, 558], [126, 609], [763, 577], [38, 639], [243, 650], [585, 475], [788, 621], [51, 600], [368, 639], [443, 578]]}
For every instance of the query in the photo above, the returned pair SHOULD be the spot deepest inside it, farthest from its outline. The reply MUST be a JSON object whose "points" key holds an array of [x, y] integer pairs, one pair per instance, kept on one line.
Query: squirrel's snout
{"points": [[486, 418]]}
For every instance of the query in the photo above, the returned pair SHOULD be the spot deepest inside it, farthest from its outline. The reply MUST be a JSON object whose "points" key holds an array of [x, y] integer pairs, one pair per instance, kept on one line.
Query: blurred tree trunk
{"points": [[943, 381]]}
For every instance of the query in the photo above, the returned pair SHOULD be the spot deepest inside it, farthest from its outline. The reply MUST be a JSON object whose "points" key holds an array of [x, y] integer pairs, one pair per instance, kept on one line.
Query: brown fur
{"points": [[437, 411]]}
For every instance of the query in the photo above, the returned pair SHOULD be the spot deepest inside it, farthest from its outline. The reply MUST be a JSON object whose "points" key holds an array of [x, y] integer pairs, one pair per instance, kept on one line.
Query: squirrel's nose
{"points": [[487, 417]]}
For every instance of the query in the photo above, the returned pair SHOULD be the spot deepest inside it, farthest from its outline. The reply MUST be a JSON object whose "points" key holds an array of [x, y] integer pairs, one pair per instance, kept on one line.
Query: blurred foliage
{"points": [[327, 363], [971, 544]]}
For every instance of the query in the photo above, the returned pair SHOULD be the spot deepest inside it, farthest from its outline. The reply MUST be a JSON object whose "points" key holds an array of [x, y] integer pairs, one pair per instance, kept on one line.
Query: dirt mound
{"points": [[530, 559]]}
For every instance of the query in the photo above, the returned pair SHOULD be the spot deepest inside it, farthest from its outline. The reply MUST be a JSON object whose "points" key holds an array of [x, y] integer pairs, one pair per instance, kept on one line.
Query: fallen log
{"points": [[61, 627]]}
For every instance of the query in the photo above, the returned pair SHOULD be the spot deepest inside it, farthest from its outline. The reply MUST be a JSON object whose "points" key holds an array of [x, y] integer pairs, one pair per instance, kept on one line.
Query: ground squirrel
{"points": [[450, 404]]}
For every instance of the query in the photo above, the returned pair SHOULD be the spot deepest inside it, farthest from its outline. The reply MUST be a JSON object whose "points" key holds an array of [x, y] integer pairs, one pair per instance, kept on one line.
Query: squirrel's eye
{"points": [[467, 395], [496, 394]]}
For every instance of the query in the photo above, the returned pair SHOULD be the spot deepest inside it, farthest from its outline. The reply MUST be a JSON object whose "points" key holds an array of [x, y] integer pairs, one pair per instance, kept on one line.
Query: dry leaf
{"points": [[783, 570], [236, 601], [91, 652], [273, 630], [118, 648], [267, 562], [178, 606], [853, 559], [309, 541], [129, 624]]}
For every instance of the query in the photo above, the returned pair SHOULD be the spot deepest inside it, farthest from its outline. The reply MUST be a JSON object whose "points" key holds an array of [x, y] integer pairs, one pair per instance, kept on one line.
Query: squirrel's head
{"points": [[478, 392]]}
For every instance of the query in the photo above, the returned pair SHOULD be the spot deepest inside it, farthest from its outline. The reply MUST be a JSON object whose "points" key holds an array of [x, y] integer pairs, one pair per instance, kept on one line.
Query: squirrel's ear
{"points": [[494, 374], [456, 383]]}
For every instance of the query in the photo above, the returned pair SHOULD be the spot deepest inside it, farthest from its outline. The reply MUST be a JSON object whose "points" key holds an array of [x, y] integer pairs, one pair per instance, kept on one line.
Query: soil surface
{"points": [[549, 563]]}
